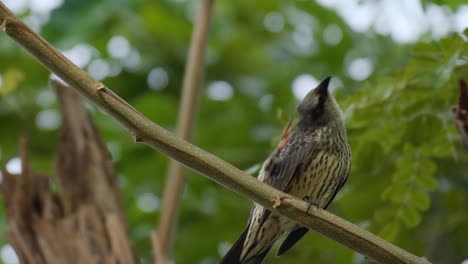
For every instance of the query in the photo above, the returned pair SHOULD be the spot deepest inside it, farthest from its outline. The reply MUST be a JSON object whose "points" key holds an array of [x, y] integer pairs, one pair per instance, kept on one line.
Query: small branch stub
{"points": [[276, 201], [137, 138], [100, 87], [3, 26]]}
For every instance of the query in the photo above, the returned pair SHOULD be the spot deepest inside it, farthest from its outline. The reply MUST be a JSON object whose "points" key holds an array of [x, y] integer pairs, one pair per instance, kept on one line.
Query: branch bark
{"points": [[142, 128], [188, 108]]}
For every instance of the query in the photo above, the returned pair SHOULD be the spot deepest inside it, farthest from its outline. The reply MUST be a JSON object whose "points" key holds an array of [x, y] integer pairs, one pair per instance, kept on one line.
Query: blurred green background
{"points": [[396, 66]]}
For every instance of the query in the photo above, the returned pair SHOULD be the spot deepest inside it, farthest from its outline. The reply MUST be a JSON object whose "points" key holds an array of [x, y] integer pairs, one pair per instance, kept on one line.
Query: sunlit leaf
{"points": [[11, 80]]}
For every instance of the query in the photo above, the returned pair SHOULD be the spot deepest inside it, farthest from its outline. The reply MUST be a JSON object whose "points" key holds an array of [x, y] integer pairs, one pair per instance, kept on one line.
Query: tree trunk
{"points": [[83, 221]]}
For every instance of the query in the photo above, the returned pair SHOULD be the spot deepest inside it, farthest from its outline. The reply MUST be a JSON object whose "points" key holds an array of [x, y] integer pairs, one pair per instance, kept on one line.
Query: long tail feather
{"points": [[234, 254], [291, 240]]}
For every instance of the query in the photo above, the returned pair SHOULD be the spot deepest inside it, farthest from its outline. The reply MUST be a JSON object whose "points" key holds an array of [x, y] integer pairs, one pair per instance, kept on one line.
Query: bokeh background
{"points": [[395, 64]]}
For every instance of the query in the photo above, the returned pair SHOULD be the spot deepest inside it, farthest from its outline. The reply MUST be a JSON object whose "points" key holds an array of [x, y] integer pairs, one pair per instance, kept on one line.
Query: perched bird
{"points": [[312, 162]]}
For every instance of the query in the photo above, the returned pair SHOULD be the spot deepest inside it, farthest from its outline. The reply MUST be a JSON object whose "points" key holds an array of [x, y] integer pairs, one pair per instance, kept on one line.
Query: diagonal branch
{"points": [[197, 159], [188, 108]]}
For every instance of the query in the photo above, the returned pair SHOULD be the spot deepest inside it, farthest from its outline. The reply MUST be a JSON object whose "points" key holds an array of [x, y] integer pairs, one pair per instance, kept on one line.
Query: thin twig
{"points": [[176, 176], [157, 255], [330, 225]]}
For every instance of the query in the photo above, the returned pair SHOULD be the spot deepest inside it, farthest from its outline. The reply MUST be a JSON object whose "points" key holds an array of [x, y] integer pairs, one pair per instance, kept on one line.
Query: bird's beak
{"points": [[322, 88]]}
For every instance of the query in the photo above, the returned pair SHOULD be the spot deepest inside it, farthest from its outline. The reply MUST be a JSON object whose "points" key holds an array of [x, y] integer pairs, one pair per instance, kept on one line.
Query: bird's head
{"points": [[319, 107]]}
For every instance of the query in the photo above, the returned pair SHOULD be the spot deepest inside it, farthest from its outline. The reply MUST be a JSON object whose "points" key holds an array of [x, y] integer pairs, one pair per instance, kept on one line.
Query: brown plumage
{"points": [[312, 160]]}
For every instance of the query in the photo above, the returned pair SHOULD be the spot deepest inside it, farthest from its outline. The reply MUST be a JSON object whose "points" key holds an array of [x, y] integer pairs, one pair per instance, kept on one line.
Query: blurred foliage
{"points": [[409, 179]]}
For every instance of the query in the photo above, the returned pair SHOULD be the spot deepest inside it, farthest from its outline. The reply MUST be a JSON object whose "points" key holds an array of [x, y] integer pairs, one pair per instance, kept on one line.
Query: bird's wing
{"points": [[286, 162], [344, 178]]}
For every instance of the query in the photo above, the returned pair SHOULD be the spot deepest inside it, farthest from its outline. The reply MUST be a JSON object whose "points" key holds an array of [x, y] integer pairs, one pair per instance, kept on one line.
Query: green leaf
{"points": [[426, 181], [426, 167], [419, 200], [410, 216], [11, 80]]}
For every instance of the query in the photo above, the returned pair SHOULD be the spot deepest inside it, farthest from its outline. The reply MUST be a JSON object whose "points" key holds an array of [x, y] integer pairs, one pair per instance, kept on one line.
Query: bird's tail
{"points": [[234, 254]]}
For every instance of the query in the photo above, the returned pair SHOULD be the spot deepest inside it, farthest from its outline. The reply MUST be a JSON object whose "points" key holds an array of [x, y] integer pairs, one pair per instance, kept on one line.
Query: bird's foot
{"points": [[310, 203]]}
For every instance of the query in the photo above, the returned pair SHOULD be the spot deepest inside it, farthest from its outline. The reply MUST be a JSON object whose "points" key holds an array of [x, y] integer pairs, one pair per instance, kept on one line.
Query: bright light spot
{"points": [[360, 69], [358, 258], [48, 120], [296, 16], [329, 3], [37, 20], [99, 69], [274, 22], [115, 69], [115, 150], [302, 35], [41, 6], [8, 255], [148, 202], [132, 61], [45, 98], [461, 18], [220, 91], [81, 54], [357, 14], [158, 79], [266, 102], [464, 261], [56, 78], [335, 84], [302, 85], [118, 47], [13, 166], [359, 17], [253, 169], [17, 6], [191, 10], [440, 21], [332, 35], [404, 21]]}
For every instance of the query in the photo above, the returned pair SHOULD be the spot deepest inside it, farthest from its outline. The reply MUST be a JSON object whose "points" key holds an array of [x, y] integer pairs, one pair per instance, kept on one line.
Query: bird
{"points": [[312, 161]]}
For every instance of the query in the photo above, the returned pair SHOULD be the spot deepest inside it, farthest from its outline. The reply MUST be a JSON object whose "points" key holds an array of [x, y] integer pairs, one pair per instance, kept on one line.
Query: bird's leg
{"points": [[310, 203]]}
